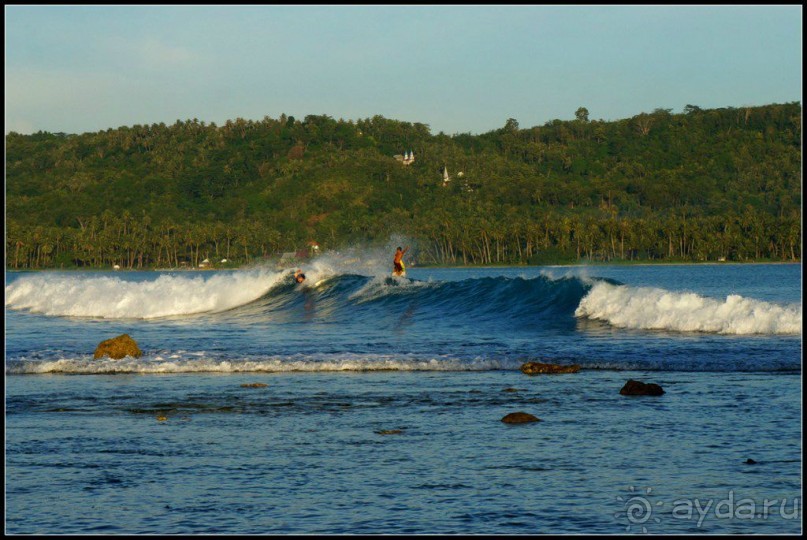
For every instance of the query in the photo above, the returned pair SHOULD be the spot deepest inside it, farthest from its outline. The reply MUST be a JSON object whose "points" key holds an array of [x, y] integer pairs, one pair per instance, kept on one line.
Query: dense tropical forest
{"points": [[700, 185]]}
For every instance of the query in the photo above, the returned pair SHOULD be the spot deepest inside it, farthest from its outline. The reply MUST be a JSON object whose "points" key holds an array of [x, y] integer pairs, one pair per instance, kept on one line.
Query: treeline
{"points": [[474, 238], [696, 186]]}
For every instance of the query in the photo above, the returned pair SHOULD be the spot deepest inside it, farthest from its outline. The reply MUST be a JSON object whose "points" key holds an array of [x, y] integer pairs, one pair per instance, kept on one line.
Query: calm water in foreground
{"points": [[365, 404]]}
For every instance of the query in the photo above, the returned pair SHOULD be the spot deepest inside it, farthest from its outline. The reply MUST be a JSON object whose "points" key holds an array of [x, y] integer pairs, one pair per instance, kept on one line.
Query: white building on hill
{"points": [[407, 158]]}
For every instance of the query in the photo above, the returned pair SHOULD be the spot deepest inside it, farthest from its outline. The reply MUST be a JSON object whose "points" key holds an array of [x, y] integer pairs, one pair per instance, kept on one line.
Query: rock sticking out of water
{"points": [[638, 388], [535, 368], [520, 418], [118, 347]]}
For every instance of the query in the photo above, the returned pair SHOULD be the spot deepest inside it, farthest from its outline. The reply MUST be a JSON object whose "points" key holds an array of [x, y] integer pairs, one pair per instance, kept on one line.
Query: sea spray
{"points": [[359, 260]]}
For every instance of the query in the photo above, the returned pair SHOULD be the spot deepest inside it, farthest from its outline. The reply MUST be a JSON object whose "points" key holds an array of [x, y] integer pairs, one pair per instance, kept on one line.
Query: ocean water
{"points": [[360, 403]]}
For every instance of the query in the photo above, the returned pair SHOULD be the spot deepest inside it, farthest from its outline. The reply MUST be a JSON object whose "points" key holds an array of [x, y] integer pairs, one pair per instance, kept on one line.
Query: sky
{"points": [[457, 69]]}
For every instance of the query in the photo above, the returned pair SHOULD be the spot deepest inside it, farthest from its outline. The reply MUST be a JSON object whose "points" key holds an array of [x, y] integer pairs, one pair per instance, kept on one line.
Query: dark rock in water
{"points": [[511, 390], [534, 368], [638, 388], [519, 418], [750, 461], [118, 347], [254, 385], [390, 432]]}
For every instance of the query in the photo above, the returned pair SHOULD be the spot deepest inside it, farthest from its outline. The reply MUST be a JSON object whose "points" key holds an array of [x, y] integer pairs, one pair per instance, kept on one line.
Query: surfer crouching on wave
{"points": [[299, 277], [398, 268]]}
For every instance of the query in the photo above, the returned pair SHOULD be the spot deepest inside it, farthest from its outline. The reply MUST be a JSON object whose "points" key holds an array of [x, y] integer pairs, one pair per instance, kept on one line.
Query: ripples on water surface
{"points": [[336, 443]]}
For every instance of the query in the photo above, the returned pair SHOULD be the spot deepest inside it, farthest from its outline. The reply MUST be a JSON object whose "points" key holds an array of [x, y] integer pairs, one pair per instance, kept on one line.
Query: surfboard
{"points": [[402, 273]]}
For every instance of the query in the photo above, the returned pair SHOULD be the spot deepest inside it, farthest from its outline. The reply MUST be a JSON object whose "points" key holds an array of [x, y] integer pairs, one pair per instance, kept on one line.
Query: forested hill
{"points": [[696, 186]]}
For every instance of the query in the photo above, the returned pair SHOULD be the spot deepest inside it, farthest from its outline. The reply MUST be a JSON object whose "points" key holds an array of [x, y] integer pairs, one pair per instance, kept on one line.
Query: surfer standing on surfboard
{"points": [[398, 268]]}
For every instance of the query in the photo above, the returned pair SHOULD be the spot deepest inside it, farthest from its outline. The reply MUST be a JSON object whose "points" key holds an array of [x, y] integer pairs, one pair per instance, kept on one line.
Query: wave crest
{"points": [[659, 309], [113, 297]]}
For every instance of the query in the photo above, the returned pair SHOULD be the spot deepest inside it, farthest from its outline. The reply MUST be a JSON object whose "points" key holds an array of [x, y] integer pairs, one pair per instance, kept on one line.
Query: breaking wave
{"points": [[525, 302], [649, 308]]}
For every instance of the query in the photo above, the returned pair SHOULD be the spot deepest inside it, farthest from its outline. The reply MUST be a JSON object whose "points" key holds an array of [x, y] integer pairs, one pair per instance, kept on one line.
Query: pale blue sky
{"points": [[457, 69]]}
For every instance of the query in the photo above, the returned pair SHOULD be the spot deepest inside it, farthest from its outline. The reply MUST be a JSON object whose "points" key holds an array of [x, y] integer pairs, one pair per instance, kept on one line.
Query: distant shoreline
{"points": [[426, 266], [621, 263]]}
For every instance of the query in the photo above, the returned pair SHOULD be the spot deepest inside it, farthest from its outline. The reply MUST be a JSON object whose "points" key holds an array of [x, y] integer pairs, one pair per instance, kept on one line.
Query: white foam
{"points": [[202, 363], [113, 297], [357, 260], [559, 274], [659, 309]]}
